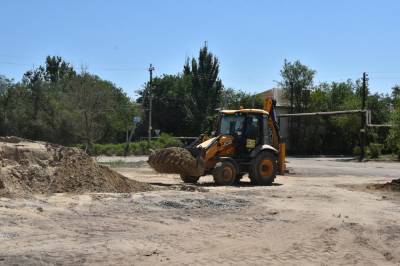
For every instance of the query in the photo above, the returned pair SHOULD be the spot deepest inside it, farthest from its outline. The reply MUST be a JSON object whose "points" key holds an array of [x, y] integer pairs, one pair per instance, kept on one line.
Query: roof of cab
{"points": [[257, 111]]}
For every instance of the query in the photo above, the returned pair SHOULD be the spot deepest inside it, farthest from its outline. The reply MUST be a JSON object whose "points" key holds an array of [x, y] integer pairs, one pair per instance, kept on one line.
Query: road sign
{"points": [[136, 119]]}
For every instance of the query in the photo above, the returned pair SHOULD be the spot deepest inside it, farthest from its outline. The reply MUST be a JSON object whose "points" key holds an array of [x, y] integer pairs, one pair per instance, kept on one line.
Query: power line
{"points": [[12, 63], [383, 72], [95, 68], [389, 78]]}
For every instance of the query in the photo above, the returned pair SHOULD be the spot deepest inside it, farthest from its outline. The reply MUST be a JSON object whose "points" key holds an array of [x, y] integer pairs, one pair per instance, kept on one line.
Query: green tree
{"points": [[297, 82], [15, 108], [393, 139], [54, 103], [234, 99], [34, 81], [206, 87], [90, 99], [5, 103], [46, 86], [57, 69], [172, 104], [121, 118], [379, 105], [396, 94]]}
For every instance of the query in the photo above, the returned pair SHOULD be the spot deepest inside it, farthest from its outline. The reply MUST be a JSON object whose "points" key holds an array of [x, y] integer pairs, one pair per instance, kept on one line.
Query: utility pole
{"points": [[151, 69], [363, 133], [291, 97], [292, 136]]}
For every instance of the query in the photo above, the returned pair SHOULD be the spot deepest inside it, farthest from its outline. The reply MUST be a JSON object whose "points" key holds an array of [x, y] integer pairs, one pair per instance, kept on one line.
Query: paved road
{"points": [[313, 167], [341, 166]]}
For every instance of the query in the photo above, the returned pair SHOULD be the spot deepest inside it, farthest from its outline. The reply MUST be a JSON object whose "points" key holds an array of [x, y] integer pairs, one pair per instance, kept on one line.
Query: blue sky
{"points": [[118, 39]]}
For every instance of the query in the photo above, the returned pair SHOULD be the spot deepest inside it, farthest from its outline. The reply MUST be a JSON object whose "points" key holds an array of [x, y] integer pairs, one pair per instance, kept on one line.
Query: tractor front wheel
{"points": [[224, 173], [263, 169]]}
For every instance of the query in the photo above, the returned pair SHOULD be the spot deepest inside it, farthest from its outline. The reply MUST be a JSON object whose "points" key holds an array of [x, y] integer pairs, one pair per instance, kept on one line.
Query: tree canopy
{"points": [[56, 103]]}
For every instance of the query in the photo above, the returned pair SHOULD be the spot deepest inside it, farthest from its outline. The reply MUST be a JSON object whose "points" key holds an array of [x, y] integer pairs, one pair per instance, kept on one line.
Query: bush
{"points": [[166, 140], [80, 146], [393, 139], [106, 149], [135, 148], [356, 151], [375, 150]]}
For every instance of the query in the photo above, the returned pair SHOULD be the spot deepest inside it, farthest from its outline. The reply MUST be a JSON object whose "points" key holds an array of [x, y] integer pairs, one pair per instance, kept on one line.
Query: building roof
{"points": [[277, 94]]}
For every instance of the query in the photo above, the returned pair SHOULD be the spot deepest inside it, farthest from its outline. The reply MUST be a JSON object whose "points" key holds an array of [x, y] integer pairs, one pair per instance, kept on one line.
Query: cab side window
{"points": [[253, 129]]}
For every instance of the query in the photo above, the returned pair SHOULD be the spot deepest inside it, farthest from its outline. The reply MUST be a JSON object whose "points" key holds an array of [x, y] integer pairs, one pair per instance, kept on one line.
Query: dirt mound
{"points": [[175, 160], [394, 185], [38, 167]]}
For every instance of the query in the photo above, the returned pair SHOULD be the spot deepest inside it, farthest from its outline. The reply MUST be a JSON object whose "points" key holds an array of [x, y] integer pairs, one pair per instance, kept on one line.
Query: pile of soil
{"points": [[175, 160], [39, 167], [394, 185]]}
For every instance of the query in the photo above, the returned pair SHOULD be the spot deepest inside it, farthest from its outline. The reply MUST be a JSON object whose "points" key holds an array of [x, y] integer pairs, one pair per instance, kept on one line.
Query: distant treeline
{"points": [[56, 103], [338, 134]]}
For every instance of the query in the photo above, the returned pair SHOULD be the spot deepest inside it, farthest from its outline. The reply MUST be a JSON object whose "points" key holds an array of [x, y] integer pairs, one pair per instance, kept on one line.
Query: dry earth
{"points": [[321, 214]]}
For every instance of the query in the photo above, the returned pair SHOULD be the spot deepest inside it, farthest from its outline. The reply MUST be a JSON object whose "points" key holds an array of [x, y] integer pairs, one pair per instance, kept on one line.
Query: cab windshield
{"points": [[230, 124]]}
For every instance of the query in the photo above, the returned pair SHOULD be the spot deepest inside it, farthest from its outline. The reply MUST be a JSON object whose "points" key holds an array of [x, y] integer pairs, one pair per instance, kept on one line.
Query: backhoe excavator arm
{"points": [[277, 143]]}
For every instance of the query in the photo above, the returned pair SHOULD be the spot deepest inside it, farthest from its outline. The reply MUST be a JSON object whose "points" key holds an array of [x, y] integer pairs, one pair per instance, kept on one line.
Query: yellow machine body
{"points": [[223, 146], [247, 141]]}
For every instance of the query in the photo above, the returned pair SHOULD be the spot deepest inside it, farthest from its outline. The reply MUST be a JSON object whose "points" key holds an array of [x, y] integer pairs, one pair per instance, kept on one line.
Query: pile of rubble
{"points": [[39, 167]]}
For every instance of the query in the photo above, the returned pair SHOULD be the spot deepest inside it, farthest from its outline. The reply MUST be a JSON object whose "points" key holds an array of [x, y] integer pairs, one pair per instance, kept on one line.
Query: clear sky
{"points": [[119, 39]]}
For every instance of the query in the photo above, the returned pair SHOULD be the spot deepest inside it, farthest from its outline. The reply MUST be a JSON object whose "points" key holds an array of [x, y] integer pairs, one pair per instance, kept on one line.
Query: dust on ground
{"points": [[37, 167], [310, 217]]}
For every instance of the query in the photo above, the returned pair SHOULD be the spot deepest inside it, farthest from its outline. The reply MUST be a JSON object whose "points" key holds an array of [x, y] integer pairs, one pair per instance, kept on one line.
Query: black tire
{"points": [[263, 169], [190, 179], [224, 174]]}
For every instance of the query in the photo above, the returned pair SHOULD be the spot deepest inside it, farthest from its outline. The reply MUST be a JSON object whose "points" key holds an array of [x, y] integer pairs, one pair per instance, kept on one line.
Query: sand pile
{"points": [[39, 167]]}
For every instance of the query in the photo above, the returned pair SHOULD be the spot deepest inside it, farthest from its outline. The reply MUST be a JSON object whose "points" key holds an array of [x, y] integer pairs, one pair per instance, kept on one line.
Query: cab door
{"points": [[253, 131]]}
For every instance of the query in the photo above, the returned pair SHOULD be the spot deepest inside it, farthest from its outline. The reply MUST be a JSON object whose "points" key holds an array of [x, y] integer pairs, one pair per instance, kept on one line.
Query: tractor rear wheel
{"points": [[263, 169], [190, 179], [224, 173]]}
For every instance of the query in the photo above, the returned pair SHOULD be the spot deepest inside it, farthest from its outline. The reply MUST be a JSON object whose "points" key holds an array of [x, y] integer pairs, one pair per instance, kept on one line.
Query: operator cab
{"points": [[249, 127]]}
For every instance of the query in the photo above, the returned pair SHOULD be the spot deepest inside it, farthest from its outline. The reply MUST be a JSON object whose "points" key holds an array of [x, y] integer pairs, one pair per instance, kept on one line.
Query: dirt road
{"points": [[321, 214]]}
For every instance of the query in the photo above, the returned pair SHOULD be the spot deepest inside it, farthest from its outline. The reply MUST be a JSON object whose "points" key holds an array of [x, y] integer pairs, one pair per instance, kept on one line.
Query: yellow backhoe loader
{"points": [[246, 141]]}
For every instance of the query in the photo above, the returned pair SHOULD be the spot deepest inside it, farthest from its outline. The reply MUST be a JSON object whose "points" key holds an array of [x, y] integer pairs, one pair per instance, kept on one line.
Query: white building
{"points": [[282, 107]]}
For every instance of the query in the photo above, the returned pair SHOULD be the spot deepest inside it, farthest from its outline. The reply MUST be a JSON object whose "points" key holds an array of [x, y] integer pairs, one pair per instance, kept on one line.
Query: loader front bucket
{"points": [[175, 160]]}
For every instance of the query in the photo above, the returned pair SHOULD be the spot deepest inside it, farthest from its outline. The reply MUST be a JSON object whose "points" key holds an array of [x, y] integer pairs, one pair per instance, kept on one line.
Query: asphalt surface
{"points": [[313, 166], [330, 167]]}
